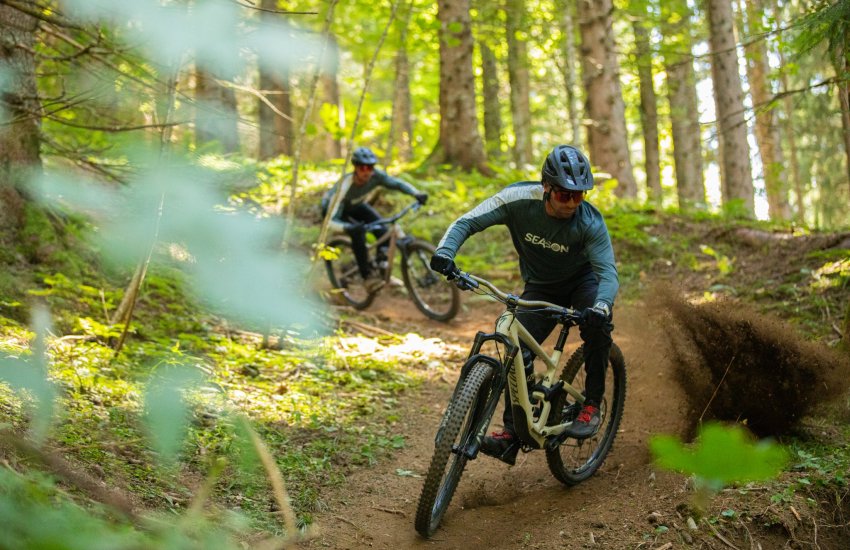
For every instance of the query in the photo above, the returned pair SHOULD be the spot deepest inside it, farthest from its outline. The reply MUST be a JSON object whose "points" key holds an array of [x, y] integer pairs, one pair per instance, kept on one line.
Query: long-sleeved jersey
{"points": [[551, 250], [353, 195]]}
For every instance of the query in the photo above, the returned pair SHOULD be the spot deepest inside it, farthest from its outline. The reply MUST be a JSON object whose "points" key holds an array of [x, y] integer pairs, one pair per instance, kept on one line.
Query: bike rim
{"points": [[432, 291]]}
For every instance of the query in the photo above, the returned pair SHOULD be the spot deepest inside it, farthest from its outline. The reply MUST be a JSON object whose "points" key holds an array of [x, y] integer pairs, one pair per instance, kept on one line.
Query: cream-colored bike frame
{"points": [[509, 326]]}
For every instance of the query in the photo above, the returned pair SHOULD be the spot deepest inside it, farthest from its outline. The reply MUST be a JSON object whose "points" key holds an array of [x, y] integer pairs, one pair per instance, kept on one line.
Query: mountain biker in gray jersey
{"points": [[353, 212], [565, 257]]}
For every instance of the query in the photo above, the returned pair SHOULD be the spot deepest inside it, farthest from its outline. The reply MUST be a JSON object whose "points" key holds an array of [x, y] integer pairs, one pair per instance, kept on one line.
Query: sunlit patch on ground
{"points": [[405, 348]]}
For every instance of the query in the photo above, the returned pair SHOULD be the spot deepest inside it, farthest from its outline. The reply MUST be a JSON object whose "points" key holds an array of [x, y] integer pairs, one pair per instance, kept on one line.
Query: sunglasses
{"points": [[364, 167], [562, 195]]}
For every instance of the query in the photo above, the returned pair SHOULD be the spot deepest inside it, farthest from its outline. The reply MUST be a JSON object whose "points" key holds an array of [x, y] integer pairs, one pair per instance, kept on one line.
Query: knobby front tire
{"points": [[456, 429], [576, 460], [345, 277], [433, 295]]}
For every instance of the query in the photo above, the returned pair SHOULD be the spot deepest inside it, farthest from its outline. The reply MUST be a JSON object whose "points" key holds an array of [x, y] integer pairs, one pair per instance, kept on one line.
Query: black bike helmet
{"points": [[364, 155], [568, 168]]}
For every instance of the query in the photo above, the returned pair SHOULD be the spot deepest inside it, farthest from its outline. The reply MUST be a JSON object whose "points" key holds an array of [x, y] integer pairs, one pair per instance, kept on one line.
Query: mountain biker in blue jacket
{"points": [[353, 212], [565, 257]]}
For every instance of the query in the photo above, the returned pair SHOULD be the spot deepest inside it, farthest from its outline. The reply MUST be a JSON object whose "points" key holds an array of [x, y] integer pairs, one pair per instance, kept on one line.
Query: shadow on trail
{"points": [[738, 365]]}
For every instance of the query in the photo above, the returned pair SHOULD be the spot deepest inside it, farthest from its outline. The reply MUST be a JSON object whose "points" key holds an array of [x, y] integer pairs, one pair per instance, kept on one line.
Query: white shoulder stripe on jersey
{"points": [[506, 196]]}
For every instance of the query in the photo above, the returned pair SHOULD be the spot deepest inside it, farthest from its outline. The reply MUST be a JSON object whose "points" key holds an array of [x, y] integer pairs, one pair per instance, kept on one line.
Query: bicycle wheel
{"points": [[448, 461], [433, 295], [345, 277], [573, 461]]}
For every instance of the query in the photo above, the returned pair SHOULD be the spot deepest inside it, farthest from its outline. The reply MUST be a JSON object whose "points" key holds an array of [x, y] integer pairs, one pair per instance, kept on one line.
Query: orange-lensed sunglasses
{"points": [[563, 195]]}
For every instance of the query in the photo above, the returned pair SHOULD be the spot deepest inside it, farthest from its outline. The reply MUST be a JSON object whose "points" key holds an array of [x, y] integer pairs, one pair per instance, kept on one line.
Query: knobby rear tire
{"points": [[433, 295], [345, 277], [576, 460], [456, 429]]}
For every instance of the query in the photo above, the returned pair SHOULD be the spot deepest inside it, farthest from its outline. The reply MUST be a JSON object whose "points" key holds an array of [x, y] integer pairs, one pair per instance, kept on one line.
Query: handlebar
{"points": [[468, 281], [413, 207]]}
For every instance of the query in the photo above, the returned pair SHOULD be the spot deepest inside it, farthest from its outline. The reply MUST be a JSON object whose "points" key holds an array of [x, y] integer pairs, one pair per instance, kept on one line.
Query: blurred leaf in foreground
{"points": [[721, 456]]}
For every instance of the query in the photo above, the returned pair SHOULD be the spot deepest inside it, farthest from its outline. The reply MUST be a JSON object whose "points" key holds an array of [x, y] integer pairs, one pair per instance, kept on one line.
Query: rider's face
{"points": [[562, 205], [362, 173]]}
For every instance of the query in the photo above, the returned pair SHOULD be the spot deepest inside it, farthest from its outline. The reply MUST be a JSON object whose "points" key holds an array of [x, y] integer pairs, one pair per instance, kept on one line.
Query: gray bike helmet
{"points": [[568, 168], [364, 155]]}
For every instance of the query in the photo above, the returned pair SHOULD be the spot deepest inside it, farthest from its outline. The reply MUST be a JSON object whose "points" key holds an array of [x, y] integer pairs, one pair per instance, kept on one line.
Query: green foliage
{"points": [[723, 455]]}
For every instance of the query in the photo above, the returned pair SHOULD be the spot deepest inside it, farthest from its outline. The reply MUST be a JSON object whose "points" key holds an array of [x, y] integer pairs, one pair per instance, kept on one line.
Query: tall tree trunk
{"points": [[330, 85], [216, 118], [736, 171], [401, 122], [788, 130], [684, 118], [275, 107], [648, 114], [460, 141], [684, 107], [842, 69], [19, 136], [607, 137], [568, 68], [492, 105], [516, 24], [766, 130]]}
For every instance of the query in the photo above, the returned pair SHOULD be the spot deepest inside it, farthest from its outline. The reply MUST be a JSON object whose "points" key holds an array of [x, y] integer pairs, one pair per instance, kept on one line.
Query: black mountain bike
{"points": [[432, 294], [543, 406]]}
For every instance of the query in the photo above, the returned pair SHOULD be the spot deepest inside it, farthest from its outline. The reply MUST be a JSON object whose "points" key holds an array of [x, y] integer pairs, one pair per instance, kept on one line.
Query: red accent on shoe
{"points": [[586, 414], [502, 435]]}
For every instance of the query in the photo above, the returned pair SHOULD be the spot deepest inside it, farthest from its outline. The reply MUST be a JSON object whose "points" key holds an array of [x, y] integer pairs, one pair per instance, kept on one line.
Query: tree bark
{"points": [[607, 137], [460, 141], [736, 171], [684, 107], [216, 119], [648, 114], [401, 126], [766, 130], [568, 69], [788, 125], [330, 85], [515, 18], [492, 105], [20, 143], [275, 112]]}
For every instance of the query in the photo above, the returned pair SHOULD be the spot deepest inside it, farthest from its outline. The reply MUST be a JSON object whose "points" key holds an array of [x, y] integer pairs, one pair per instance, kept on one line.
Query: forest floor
{"points": [[628, 503]]}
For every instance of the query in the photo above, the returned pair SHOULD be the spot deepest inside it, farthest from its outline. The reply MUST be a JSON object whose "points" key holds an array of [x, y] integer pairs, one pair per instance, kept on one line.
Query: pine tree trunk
{"points": [[568, 69], [401, 125], [215, 115], [607, 136], [648, 114], [330, 85], [460, 141], [677, 46], [19, 139], [736, 171], [766, 130], [275, 108], [515, 18], [492, 105], [788, 126]]}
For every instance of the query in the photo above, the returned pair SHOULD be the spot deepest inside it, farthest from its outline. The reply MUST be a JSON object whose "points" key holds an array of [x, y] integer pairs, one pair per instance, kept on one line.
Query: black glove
{"points": [[354, 228], [442, 264], [597, 316], [422, 198]]}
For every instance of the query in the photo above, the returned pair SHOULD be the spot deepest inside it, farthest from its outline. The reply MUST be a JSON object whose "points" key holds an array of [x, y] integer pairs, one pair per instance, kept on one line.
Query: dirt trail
{"points": [[496, 506]]}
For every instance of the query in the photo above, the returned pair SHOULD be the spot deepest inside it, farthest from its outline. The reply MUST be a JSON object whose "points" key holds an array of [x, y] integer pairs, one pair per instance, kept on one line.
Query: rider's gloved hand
{"points": [[442, 264], [597, 316], [422, 198]]}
